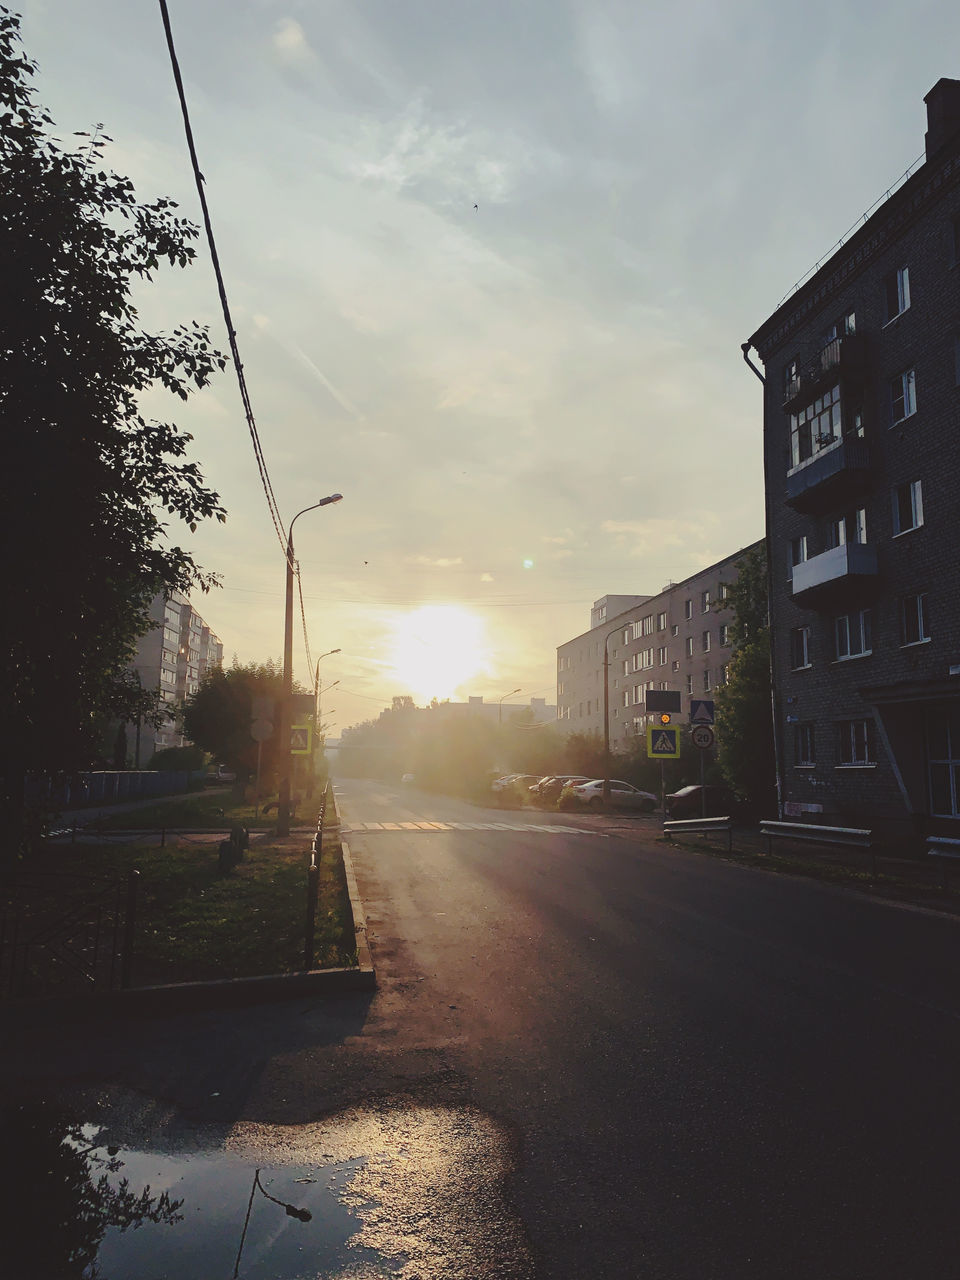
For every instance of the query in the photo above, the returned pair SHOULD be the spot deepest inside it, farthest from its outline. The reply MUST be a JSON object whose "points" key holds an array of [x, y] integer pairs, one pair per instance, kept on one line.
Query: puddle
{"points": [[407, 1192]]}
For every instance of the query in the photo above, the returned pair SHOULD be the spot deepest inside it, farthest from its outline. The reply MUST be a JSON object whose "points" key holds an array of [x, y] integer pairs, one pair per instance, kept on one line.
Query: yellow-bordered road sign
{"points": [[300, 739], [663, 742]]}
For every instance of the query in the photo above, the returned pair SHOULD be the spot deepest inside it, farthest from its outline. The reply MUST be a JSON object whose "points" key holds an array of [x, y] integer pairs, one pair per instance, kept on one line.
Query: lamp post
{"points": [[312, 778], [500, 704], [286, 696]]}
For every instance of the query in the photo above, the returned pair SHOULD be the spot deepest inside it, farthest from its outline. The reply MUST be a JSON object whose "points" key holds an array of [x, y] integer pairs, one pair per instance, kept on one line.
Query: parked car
{"points": [[535, 786], [551, 788], [220, 774], [688, 803], [622, 795], [408, 779]]}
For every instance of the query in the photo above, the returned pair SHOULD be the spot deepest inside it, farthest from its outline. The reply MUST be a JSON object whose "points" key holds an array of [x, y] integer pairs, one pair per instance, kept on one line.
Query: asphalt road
{"points": [[699, 1071], [712, 1072]]}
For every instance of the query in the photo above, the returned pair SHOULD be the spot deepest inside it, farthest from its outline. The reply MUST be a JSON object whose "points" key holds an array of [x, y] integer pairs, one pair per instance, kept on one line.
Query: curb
{"points": [[219, 993]]}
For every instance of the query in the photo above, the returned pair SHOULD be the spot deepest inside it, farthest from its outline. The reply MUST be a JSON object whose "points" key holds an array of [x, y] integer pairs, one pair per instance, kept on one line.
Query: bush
{"points": [[174, 759]]}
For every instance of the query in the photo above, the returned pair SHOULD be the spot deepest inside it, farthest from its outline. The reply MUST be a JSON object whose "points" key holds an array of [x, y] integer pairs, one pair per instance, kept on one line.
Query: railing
{"points": [[65, 933], [109, 787], [313, 882], [843, 352]]}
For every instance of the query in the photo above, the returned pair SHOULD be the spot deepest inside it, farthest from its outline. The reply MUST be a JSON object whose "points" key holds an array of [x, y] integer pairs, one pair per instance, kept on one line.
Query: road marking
{"points": [[355, 827]]}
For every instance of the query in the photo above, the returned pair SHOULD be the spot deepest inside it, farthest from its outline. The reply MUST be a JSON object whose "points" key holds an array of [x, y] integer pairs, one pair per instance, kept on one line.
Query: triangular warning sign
{"points": [[663, 742]]}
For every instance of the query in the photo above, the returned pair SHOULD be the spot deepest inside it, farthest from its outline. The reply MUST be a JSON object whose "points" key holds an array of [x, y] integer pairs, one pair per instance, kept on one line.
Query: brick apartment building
{"points": [[862, 458], [677, 640]]}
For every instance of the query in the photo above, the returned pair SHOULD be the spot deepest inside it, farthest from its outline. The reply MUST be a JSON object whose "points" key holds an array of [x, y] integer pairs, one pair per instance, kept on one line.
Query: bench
{"points": [[943, 847], [700, 826], [843, 837]]}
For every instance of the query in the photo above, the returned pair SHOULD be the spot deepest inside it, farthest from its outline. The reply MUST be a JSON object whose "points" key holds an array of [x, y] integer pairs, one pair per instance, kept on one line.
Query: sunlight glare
{"points": [[437, 649]]}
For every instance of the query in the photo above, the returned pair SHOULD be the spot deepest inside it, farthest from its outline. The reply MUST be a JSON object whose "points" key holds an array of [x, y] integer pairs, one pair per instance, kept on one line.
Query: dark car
{"points": [[688, 803]]}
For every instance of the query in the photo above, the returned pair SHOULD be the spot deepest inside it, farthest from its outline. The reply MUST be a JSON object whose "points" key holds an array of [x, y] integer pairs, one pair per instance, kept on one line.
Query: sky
{"points": [[490, 266]]}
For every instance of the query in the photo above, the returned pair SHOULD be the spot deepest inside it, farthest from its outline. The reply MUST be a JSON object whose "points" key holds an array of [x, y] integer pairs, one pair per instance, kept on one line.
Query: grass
{"points": [[214, 810], [195, 924], [830, 868]]}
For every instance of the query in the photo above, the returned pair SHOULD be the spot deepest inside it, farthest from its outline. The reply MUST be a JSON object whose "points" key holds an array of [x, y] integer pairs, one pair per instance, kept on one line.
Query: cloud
{"points": [[646, 537], [443, 562], [290, 42], [486, 577]]}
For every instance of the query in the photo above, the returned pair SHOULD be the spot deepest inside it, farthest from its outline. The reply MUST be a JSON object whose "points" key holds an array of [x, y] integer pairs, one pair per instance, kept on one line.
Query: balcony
{"points": [[843, 357], [837, 472], [819, 581]]}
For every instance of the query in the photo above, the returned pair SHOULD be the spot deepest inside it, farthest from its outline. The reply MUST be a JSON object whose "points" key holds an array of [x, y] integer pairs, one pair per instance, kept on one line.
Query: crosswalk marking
{"points": [[356, 827]]}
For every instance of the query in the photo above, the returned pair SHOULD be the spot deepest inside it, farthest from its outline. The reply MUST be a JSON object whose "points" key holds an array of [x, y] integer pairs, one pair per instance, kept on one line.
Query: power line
{"points": [[231, 332], [303, 619]]}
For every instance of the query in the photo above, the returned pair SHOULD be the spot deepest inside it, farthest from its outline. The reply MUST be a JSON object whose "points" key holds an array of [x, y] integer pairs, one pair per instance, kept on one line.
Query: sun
{"points": [[437, 649]]}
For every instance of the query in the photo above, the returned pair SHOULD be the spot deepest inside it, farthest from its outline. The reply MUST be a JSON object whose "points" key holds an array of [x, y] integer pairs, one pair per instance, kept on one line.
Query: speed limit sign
{"points": [[701, 735]]}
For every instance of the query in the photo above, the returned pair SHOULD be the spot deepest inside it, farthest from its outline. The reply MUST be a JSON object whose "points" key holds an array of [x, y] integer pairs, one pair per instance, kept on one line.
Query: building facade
{"points": [[862, 454], [679, 639], [171, 658]]}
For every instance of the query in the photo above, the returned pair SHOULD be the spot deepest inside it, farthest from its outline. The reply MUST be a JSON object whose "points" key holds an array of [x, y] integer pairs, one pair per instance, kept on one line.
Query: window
{"points": [[661, 622], [675, 665], [647, 658], [723, 675], [646, 627], [689, 684], [800, 648], [626, 635], [913, 619], [626, 697], [588, 706], [856, 742], [943, 754], [635, 665], [896, 294], [626, 666], [852, 632], [804, 752], [903, 396], [661, 657], [637, 694], [798, 552], [724, 591], [724, 637], [688, 608], [843, 327], [907, 507], [707, 686], [791, 379], [674, 630], [815, 426], [635, 629], [704, 601], [705, 642], [851, 527], [688, 646]]}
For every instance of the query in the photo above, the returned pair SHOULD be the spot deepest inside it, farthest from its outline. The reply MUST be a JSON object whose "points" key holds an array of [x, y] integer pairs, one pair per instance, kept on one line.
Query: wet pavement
{"points": [[398, 1190]]}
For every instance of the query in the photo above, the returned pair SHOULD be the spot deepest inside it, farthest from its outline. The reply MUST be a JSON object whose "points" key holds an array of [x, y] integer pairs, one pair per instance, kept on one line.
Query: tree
{"points": [[88, 481], [218, 717], [744, 713]]}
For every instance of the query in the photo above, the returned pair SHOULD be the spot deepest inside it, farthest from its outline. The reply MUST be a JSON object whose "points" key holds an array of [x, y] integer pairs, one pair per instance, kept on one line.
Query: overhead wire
{"points": [[303, 619], [221, 288]]}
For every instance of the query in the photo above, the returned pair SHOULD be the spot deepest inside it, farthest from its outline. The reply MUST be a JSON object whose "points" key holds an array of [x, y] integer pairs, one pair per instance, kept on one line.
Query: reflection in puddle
{"points": [[400, 1192]]}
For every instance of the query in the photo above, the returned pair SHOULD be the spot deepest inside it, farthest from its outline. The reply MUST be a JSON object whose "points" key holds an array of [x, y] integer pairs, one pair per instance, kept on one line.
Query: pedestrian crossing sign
{"points": [[663, 742], [300, 739]]}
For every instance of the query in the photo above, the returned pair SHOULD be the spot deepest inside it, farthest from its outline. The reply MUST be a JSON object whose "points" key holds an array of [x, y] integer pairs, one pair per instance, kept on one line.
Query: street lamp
{"points": [[500, 704], [283, 807]]}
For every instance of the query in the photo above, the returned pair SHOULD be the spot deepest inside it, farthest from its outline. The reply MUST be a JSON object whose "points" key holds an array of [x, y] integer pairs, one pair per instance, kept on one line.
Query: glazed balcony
{"points": [[841, 358], [820, 580], [837, 472]]}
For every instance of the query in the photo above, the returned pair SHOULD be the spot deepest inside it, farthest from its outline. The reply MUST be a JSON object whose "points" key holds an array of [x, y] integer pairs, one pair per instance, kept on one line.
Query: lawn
{"points": [[194, 923], [215, 810]]}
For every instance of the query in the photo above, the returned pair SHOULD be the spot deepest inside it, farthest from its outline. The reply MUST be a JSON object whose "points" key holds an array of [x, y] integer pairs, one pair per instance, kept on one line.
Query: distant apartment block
{"points": [[172, 657], [679, 639], [862, 458]]}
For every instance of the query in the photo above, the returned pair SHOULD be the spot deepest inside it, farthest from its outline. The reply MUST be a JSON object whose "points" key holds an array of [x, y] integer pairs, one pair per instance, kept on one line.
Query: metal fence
{"points": [[82, 790], [65, 933]]}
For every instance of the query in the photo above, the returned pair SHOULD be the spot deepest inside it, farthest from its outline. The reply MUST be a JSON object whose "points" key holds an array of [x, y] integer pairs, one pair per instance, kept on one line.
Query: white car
{"points": [[622, 795], [408, 779]]}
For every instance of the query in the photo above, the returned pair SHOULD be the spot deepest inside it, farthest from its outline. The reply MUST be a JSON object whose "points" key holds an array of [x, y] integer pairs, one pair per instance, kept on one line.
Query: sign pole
{"points": [[703, 789], [663, 792]]}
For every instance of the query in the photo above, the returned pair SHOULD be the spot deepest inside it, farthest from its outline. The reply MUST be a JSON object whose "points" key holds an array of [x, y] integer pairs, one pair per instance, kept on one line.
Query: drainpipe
{"points": [[774, 707]]}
